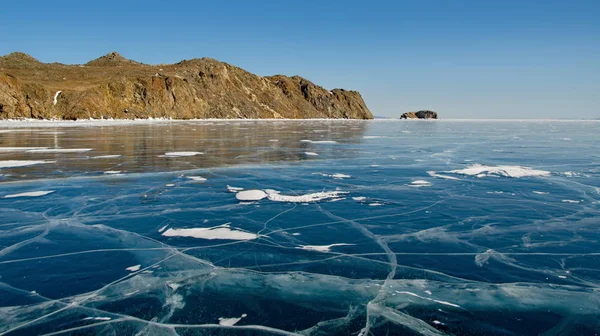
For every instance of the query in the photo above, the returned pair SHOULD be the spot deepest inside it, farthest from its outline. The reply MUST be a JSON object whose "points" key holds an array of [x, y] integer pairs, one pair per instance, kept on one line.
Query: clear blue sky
{"points": [[464, 59]]}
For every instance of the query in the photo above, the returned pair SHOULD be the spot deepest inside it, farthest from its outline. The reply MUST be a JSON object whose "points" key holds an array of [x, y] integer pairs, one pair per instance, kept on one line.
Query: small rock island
{"points": [[113, 87], [423, 114]]}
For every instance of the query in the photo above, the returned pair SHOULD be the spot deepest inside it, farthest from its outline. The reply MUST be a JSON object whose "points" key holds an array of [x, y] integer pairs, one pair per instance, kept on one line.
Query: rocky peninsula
{"points": [[115, 87]]}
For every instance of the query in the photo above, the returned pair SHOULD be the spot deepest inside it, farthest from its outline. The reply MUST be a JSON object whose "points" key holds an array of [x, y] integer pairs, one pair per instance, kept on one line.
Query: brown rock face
{"points": [[424, 114], [115, 87]]}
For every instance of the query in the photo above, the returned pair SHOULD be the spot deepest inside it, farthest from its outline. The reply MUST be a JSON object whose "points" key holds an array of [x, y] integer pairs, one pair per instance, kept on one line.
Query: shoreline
{"points": [[37, 123]]}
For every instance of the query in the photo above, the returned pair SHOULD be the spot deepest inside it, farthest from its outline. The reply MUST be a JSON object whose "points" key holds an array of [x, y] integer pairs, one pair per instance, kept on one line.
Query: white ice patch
{"points": [[322, 248], [250, 195], [21, 163], [105, 157], [359, 198], [372, 136], [337, 176], [112, 172], [134, 268], [320, 141], [55, 100], [19, 149], [420, 183], [314, 197], [234, 189], [230, 321], [169, 185], [434, 174], [570, 201], [197, 178], [375, 204], [31, 194], [180, 154], [540, 192], [218, 232], [274, 140], [506, 171], [60, 150], [162, 229], [311, 153]]}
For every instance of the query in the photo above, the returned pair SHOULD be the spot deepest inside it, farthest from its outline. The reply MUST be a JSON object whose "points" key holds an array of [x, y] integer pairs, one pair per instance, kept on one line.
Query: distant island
{"points": [[423, 114], [115, 87]]}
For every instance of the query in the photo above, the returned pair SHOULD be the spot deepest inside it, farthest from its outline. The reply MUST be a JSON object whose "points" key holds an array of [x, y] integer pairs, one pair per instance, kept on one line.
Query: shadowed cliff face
{"points": [[114, 87]]}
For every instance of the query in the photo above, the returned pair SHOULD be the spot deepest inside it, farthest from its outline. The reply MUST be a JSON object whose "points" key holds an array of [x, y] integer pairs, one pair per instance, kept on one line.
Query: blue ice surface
{"points": [[512, 250]]}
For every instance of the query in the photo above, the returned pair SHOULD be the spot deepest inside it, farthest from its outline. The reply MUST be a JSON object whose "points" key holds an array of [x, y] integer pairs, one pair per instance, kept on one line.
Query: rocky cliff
{"points": [[115, 87], [424, 114]]}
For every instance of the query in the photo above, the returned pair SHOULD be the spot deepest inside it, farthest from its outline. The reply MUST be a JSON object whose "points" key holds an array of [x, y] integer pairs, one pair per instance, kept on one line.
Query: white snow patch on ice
{"points": [[234, 189], [322, 248], [337, 176], [434, 174], [112, 172], [320, 141], [21, 163], [420, 183], [105, 157], [134, 268], [311, 153], [218, 232], [570, 201], [250, 195], [230, 321], [180, 154], [31, 194], [506, 171], [60, 150], [540, 192], [359, 198], [19, 149], [376, 204], [162, 229], [275, 196], [197, 178]]}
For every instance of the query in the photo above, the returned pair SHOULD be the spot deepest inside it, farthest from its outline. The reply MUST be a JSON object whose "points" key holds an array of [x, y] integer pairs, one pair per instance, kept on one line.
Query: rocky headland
{"points": [[115, 87], [423, 114]]}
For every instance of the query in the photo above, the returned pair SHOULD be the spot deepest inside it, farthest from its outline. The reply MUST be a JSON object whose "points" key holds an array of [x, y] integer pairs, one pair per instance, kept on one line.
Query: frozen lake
{"points": [[300, 228]]}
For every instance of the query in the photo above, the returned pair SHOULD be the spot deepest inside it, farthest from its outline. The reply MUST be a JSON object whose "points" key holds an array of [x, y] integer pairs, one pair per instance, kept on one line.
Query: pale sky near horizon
{"points": [[464, 59]]}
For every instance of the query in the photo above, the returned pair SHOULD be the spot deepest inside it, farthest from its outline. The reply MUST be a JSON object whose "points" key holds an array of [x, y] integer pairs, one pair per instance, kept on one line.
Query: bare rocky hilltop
{"points": [[115, 87]]}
